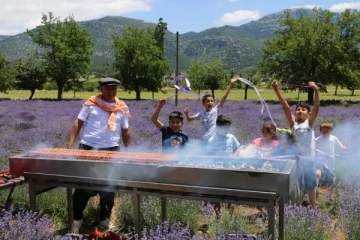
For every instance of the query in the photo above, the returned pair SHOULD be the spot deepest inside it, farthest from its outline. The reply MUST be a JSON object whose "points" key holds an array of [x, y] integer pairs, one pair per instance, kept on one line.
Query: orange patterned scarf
{"points": [[120, 106]]}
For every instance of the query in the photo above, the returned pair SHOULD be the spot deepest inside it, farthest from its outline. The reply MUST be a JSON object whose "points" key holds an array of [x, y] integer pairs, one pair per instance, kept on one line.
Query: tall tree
{"points": [[207, 75], [348, 54], [30, 74], [197, 70], [159, 36], [215, 76], [67, 48], [300, 51], [139, 60], [6, 74]]}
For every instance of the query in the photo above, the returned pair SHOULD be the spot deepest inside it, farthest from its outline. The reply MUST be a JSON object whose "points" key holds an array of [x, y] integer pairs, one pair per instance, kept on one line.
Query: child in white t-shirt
{"points": [[326, 145], [209, 115], [302, 125], [222, 143]]}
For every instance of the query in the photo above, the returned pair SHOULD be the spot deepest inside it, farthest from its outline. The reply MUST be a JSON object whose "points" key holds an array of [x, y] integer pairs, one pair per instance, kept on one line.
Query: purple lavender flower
{"points": [[165, 231], [25, 225]]}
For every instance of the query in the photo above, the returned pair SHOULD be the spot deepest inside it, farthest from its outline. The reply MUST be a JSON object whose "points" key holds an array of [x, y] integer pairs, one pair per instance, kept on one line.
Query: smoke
{"points": [[348, 133], [246, 151]]}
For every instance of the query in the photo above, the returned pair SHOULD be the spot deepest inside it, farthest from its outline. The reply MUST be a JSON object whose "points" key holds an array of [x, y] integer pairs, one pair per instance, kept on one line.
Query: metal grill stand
{"points": [[246, 186], [39, 183]]}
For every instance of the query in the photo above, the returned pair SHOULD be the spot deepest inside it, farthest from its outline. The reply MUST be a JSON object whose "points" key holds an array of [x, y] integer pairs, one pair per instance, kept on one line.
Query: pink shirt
{"points": [[259, 142]]}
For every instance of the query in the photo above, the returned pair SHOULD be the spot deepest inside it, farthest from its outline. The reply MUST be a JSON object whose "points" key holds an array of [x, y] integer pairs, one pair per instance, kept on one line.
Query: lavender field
{"points": [[34, 124]]}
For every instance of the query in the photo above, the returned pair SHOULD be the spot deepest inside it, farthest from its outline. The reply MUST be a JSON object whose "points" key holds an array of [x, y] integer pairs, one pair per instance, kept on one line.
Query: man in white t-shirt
{"points": [[103, 120], [326, 145]]}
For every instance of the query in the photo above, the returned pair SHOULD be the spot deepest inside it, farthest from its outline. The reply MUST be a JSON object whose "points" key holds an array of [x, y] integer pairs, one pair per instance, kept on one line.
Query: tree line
{"points": [[323, 48]]}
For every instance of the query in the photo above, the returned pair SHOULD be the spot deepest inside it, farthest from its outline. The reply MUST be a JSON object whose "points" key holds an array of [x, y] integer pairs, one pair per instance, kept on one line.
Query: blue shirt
{"points": [[172, 141], [222, 145]]}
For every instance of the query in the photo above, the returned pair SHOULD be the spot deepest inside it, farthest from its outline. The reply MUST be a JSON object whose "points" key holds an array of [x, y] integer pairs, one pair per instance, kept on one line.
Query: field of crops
{"points": [[30, 124]]}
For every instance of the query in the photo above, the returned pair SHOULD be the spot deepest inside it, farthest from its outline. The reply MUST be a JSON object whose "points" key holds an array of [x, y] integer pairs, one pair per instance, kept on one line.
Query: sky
{"points": [[181, 15]]}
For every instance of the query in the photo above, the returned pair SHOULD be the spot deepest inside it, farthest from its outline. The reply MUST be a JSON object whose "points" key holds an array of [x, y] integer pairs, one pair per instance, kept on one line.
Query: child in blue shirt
{"points": [[222, 143], [173, 139]]}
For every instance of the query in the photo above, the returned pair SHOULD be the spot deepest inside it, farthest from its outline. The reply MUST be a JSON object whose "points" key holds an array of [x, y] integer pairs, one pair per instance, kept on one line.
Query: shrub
{"points": [[90, 86], [304, 221], [49, 86], [164, 231], [184, 211], [25, 225]]}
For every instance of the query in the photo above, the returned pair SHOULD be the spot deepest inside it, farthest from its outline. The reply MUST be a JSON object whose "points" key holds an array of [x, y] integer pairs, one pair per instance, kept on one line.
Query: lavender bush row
{"points": [[348, 197], [165, 231], [25, 225], [307, 223], [28, 124]]}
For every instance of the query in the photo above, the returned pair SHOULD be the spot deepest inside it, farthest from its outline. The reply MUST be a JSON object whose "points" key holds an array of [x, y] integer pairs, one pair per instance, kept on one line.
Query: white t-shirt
{"points": [[325, 147], [95, 132], [223, 146], [208, 121], [305, 137]]}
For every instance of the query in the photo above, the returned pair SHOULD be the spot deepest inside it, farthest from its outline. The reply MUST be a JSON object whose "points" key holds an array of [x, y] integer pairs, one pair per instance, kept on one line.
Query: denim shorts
{"points": [[328, 176], [307, 177]]}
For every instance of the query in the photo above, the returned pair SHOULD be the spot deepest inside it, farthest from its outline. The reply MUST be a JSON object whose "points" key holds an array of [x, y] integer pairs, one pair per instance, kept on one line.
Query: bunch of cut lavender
{"points": [[165, 231], [306, 222], [25, 225]]}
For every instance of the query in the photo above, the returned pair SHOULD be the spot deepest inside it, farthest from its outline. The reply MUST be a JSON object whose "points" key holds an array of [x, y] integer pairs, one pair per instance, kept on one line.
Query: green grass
{"points": [[235, 94]]}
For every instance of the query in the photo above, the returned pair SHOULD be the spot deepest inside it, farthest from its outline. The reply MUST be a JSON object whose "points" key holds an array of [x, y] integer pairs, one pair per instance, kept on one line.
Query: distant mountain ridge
{"points": [[3, 37], [238, 47]]}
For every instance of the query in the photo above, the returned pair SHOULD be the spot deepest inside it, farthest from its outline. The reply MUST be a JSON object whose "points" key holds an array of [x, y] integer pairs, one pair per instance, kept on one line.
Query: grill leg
{"points": [[281, 218], [164, 216], [70, 209], [136, 209], [32, 195], [271, 220]]}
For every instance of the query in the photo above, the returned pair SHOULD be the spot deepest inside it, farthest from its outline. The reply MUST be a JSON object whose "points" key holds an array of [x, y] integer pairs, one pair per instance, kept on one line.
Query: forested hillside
{"points": [[238, 47]]}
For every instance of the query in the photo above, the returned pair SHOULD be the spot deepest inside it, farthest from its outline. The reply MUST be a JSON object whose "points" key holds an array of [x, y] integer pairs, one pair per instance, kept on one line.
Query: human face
{"points": [[208, 103], [325, 132], [223, 130], [175, 124], [267, 136], [109, 93], [301, 114]]}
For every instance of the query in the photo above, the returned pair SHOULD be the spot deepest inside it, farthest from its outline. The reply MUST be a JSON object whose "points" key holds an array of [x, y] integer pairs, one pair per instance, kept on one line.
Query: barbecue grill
{"points": [[248, 181]]}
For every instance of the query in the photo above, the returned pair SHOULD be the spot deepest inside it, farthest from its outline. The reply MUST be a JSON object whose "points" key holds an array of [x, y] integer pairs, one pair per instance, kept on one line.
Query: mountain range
{"points": [[238, 47]]}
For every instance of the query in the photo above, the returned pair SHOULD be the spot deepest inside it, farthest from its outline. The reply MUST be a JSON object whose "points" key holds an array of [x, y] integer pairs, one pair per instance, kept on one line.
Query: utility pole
{"points": [[177, 66]]}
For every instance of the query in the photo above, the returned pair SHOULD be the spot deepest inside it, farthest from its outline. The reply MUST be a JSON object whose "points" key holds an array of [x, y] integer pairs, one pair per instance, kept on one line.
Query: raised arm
{"points": [[155, 115], [125, 136], [284, 103], [74, 132], [316, 107], [233, 80], [187, 116]]}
